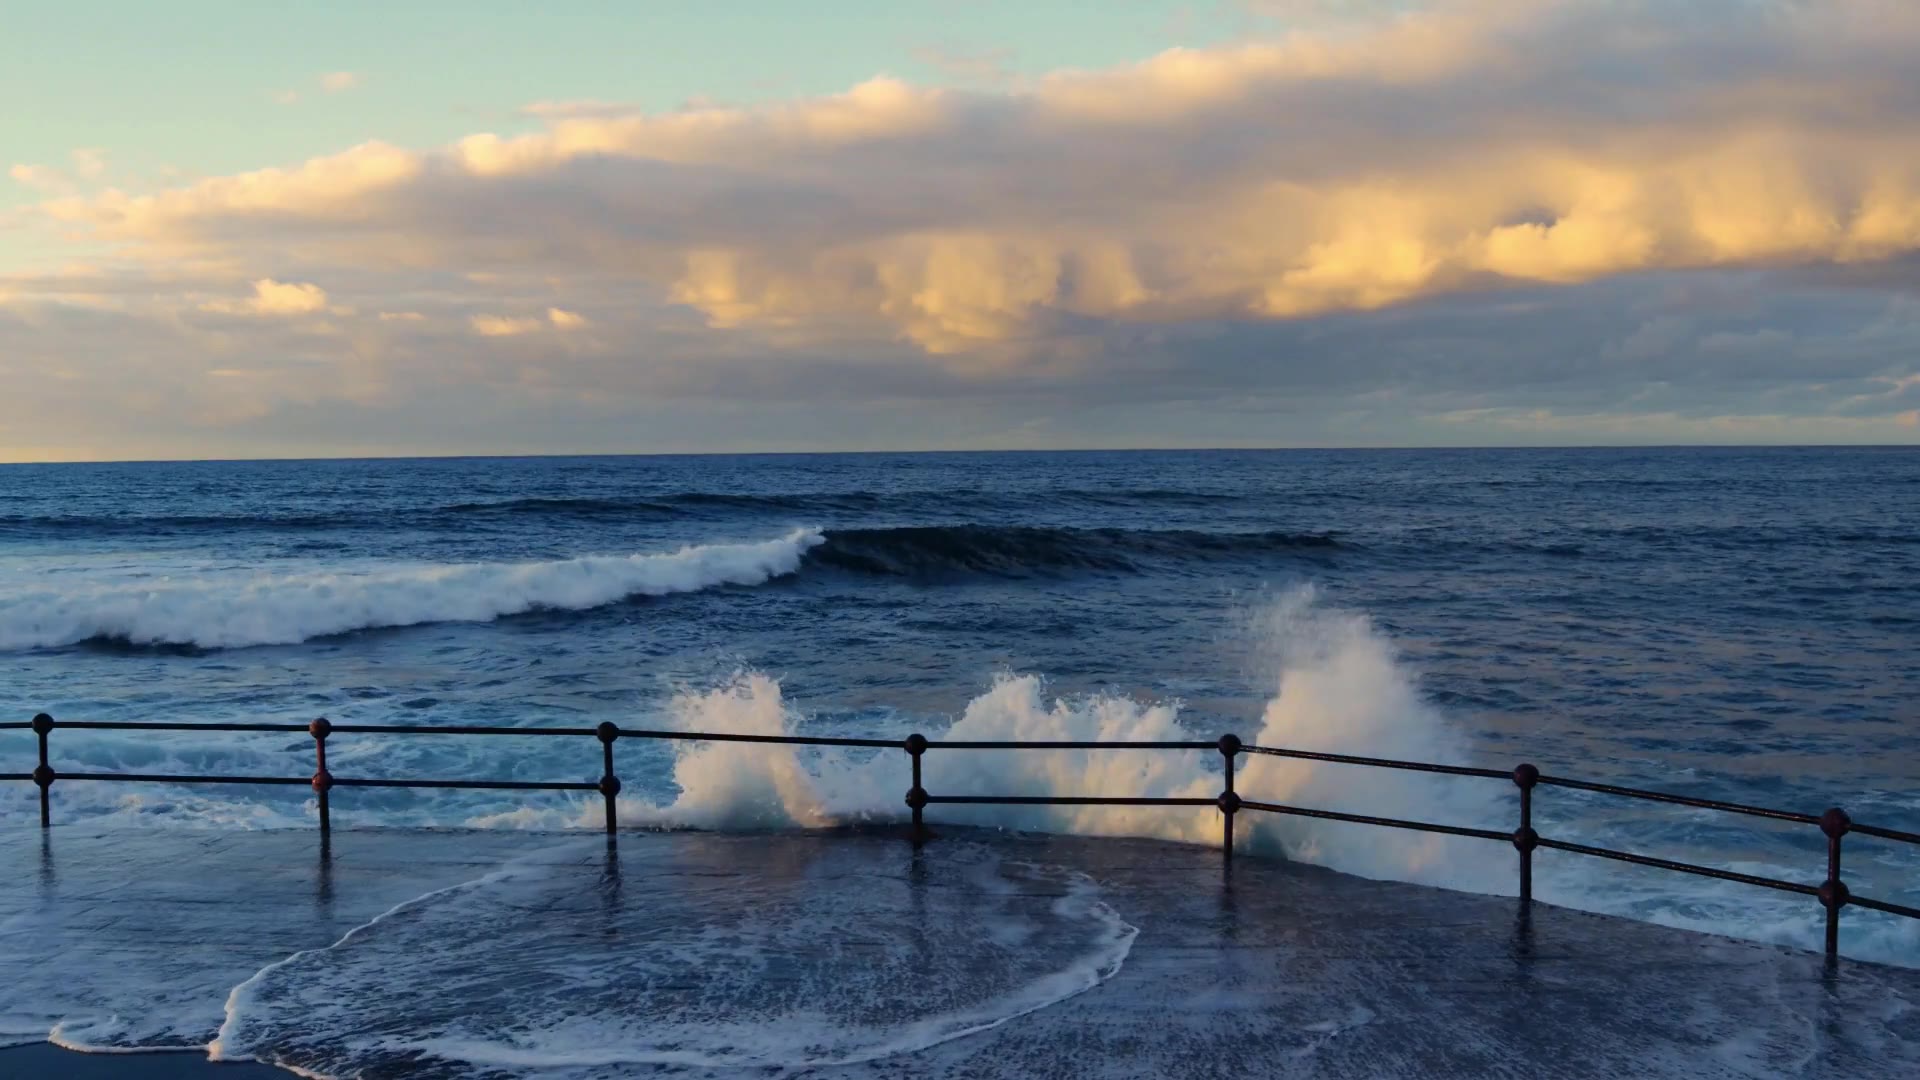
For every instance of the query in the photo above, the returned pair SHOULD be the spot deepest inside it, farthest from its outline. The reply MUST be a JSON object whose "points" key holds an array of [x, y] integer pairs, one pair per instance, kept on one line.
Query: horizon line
{"points": [[968, 450]]}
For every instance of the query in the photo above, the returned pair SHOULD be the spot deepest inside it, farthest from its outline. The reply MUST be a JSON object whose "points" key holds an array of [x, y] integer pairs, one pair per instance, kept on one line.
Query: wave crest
{"points": [[225, 611]]}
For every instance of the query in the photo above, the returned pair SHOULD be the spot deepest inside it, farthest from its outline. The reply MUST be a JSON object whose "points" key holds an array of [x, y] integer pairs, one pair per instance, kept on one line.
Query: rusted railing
{"points": [[1832, 893]]}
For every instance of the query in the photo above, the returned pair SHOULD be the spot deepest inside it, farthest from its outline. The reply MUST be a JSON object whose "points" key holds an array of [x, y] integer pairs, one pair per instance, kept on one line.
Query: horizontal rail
{"points": [[1066, 800], [1379, 763], [16, 725], [143, 725], [727, 736], [474, 785], [1684, 868], [1685, 800], [1882, 905], [1000, 744], [1886, 834], [337, 781], [1363, 819], [455, 729], [16, 776], [175, 778]]}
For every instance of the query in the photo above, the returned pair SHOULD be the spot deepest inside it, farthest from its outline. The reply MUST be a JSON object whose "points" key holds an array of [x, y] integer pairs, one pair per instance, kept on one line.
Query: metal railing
{"points": [[1832, 892]]}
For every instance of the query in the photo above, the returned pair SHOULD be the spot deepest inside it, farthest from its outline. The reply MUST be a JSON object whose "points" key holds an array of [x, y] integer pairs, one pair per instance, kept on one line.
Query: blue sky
{"points": [[197, 85], [277, 230]]}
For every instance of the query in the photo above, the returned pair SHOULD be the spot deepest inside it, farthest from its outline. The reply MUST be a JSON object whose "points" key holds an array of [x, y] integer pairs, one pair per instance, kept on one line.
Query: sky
{"points": [[246, 230]]}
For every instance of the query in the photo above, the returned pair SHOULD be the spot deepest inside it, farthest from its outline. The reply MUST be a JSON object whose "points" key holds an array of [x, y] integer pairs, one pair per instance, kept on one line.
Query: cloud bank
{"points": [[1202, 219]]}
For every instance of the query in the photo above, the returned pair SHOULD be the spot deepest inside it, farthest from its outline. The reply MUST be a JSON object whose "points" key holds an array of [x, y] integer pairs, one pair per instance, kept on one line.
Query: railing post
{"points": [[609, 783], [1524, 838], [43, 772], [322, 779], [916, 745], [1833, 892], [1229, 799]]}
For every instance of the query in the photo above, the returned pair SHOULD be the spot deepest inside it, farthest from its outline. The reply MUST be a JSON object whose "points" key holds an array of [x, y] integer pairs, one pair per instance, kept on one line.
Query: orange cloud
{"points": [[1479, 144], [272, 298]]}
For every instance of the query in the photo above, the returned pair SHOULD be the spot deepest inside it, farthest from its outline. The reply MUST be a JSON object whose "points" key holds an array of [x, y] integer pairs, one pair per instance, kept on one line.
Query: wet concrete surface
{"points": [[849, 955]]}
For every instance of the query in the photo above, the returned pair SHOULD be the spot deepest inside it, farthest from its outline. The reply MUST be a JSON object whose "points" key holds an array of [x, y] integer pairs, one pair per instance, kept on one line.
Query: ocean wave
{"points": [[227, 609], [552, 507], [469, 512], [1026, 550], [223, 610]]}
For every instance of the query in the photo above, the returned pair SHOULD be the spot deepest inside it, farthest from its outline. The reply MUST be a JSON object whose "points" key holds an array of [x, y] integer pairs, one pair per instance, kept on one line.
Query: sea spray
{"points": [[1338, 686]]}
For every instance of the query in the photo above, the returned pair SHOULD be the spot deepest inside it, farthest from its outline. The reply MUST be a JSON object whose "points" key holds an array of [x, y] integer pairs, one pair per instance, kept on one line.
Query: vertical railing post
{"points": [[916, 745], [1229, 799], [1833, 892], [322, 779], [1524, 838], [609, 783], [43, 772]]}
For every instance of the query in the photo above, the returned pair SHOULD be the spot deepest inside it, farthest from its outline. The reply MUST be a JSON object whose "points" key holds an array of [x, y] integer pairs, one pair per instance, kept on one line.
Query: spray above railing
{"points": [[1832, 893]]}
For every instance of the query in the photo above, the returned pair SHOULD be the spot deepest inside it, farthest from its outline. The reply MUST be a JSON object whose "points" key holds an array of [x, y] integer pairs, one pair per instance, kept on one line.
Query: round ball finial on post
{"points": [[607, 731], [41, 724], [915, 744], [1835, 822], [1230, 745], [320, 729], [1525, 777]]}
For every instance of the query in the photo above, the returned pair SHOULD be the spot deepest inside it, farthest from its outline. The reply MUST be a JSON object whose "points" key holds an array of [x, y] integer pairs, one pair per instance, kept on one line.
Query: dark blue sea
{"points": [[1738, 624]]}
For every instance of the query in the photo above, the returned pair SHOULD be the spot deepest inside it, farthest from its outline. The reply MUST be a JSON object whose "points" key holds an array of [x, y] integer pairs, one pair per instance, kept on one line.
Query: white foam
{"points": [[222, 609], [713, 958], [1338, 687]]}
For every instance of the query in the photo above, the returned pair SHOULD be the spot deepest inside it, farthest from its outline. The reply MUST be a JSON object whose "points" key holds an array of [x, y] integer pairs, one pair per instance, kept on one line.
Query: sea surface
{"points": [[1737, 624]]}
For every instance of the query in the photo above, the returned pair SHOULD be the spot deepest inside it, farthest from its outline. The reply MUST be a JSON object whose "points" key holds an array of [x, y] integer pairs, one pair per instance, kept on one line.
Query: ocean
{"points": [[1738, 624]]}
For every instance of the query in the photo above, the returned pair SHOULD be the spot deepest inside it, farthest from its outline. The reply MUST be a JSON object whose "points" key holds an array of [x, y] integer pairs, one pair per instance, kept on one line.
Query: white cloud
{"points": [[273, 298]]}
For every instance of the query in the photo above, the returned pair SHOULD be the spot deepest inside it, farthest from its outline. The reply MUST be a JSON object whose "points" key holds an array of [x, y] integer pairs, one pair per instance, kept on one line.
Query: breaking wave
{"points": [[223, 610], [220, 609]]}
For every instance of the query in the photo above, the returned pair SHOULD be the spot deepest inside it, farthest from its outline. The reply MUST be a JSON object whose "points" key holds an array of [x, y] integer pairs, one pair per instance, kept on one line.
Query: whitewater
{"points": [[1729, 625]]}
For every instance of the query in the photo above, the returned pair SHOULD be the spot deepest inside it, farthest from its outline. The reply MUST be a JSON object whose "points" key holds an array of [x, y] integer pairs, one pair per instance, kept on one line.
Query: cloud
{"points": [[503, 326], [273, 298], [337, 82], [41, 178], [89, 167], [515, 326], [1472, 216], [1457, 150]]}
